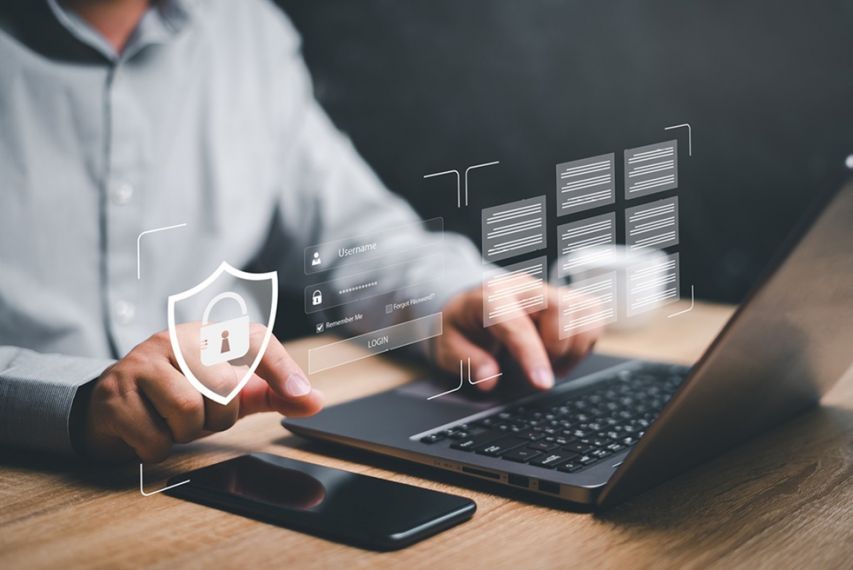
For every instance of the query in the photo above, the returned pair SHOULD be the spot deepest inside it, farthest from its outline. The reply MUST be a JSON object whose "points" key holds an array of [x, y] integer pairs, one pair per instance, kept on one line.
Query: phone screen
{"points": [[328, 502]]}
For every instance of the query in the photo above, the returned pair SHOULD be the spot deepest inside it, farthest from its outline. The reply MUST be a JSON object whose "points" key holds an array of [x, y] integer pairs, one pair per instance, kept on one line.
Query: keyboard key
{"points": [[458, 435], [601, 453], [544, 446], [521, 455], [432, 438], [570, 466], [531, 435], [500, 446], [551, 460], [475, 441], [578, 447]]}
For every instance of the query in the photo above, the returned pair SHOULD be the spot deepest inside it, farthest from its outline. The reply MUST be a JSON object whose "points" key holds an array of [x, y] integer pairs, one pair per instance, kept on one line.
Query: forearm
{"points": [[37, 393]]}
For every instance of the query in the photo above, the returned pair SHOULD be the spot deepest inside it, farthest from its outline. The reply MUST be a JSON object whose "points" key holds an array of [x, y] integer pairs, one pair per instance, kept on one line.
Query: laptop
{"points": [[616, 427]]}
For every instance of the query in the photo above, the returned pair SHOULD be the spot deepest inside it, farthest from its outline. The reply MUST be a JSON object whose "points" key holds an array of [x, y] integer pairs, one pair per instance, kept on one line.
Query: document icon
{"points": [[585, 184], [652, 284], [580, 243], [652, 225], [588, 304], [515, 290], [650, 169], [513, 229]]}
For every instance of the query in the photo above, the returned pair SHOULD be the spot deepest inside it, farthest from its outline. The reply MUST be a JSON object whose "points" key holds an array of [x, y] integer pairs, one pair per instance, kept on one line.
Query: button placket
{"points": [[128, 130]]}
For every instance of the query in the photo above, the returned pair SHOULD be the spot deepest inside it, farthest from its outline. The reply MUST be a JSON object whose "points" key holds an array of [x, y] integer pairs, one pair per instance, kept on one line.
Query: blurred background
{"points": [[422, 87]]}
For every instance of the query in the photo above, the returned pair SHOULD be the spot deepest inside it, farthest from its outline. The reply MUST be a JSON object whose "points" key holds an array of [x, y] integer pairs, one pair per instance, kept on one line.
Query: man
{"points": [[122, 116]]}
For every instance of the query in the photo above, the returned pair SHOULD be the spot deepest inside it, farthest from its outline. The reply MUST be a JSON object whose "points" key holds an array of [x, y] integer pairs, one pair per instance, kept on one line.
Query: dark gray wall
{"points": [[431, 85]]}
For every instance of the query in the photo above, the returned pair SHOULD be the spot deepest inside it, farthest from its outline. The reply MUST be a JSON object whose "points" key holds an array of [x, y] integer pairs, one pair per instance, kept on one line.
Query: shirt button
{"points": [[121, 193], [124, 312]]}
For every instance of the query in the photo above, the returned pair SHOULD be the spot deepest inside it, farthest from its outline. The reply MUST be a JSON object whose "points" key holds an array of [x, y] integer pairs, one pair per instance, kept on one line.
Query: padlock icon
{"points": [[225, 340], [316, 297]]}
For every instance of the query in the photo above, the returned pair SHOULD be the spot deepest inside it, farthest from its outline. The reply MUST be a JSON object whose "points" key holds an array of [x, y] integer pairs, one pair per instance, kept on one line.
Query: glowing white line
{"points": [[462, 380], [692, 304], [461, 383], [498, 375], [458, 188], [139, 239], [144, 494], [470, 168], [689, 136]]}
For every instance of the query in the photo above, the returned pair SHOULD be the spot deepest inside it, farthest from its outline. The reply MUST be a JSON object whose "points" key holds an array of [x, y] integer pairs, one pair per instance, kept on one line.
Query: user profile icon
{"points": [[315, 261]]}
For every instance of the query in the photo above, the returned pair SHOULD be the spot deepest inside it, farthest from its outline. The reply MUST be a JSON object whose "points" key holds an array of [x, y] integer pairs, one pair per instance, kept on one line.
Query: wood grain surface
{"points": [[783, 500]]}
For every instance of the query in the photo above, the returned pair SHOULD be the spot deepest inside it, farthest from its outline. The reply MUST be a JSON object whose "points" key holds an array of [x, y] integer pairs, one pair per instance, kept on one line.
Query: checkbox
{"points": [[320, 327], [389, 309]]}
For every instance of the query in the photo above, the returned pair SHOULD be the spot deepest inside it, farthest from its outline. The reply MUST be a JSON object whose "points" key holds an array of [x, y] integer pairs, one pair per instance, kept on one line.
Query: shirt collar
{"points": [[162, 21]]}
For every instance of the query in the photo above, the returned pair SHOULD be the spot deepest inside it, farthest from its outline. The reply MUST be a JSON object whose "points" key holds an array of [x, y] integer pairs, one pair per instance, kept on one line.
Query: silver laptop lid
{"points": [[788, 343]]}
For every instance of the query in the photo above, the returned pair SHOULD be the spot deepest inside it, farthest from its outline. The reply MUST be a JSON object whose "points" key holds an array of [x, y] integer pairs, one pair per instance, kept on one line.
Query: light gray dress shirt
{"points": [[206, 119]]}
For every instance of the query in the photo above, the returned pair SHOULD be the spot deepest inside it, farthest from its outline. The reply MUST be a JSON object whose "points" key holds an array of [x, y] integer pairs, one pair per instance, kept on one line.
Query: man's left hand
{"points": [[533, 340]]}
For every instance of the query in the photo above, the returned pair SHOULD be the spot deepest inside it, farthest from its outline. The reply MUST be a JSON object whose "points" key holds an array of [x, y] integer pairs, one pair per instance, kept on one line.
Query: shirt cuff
{"points": [[36, 398]]}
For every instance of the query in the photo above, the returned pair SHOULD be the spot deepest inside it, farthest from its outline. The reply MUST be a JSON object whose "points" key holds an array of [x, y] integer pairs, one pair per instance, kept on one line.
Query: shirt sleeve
{"points": [[328, 193], [36, 396]]}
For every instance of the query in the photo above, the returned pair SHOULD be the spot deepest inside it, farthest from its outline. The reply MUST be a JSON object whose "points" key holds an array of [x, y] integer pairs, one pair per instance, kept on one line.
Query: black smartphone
{"points": [[339, 505]]}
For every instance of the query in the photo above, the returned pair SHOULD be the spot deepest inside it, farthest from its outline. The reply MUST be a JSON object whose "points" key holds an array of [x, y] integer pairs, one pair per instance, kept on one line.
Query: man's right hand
{"points": [[143, 404]]}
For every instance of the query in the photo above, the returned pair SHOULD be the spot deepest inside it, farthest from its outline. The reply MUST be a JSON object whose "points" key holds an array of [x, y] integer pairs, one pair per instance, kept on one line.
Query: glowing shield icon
{"points": [[218, 357]]}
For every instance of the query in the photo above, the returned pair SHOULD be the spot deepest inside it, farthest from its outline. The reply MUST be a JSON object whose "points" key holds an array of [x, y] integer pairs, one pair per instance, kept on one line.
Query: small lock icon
{"points": [[316, 298], [225, 340]]}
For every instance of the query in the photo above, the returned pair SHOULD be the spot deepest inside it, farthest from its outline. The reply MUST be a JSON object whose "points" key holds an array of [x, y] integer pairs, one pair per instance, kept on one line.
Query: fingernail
{"points": [[296, 385], [485, 371], [543, 378]]}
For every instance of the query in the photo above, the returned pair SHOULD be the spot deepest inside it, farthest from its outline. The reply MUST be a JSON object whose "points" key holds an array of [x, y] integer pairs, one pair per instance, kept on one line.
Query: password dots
{"points": [[355, 288]]}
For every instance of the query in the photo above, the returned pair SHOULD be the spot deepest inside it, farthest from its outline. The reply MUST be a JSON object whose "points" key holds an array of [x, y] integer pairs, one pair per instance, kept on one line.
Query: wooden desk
{"points": [[783, 500]]}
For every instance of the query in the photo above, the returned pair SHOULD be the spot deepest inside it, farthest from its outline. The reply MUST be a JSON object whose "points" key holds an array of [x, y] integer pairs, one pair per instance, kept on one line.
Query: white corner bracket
{"points": [[458, 179], [458, 183], [462, 380], [474, 167], [689, 135], [142, 488], [688, 309], [139, 242]]}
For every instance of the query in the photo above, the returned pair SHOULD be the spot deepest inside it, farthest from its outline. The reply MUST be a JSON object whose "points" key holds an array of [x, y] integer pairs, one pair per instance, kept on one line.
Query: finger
{"points": [[176, 401], [138, 425], [567, 352], [582, 345], [548, 323], [454, 347], [222, 379], [521, 339], [257, 397], [277, 367]]}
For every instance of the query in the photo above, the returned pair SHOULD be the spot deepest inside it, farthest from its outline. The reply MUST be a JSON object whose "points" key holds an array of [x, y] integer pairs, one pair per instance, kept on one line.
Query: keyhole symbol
{"points": [[226, 346]]}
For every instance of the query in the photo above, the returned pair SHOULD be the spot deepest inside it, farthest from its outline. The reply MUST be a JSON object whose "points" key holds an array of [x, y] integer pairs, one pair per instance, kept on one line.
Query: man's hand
{"points": [[533, 340], [143, 404]]}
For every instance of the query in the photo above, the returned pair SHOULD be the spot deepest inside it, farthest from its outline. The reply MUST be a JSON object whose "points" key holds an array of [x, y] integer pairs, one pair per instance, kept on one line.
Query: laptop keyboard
{"points": [[573, 430]]}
